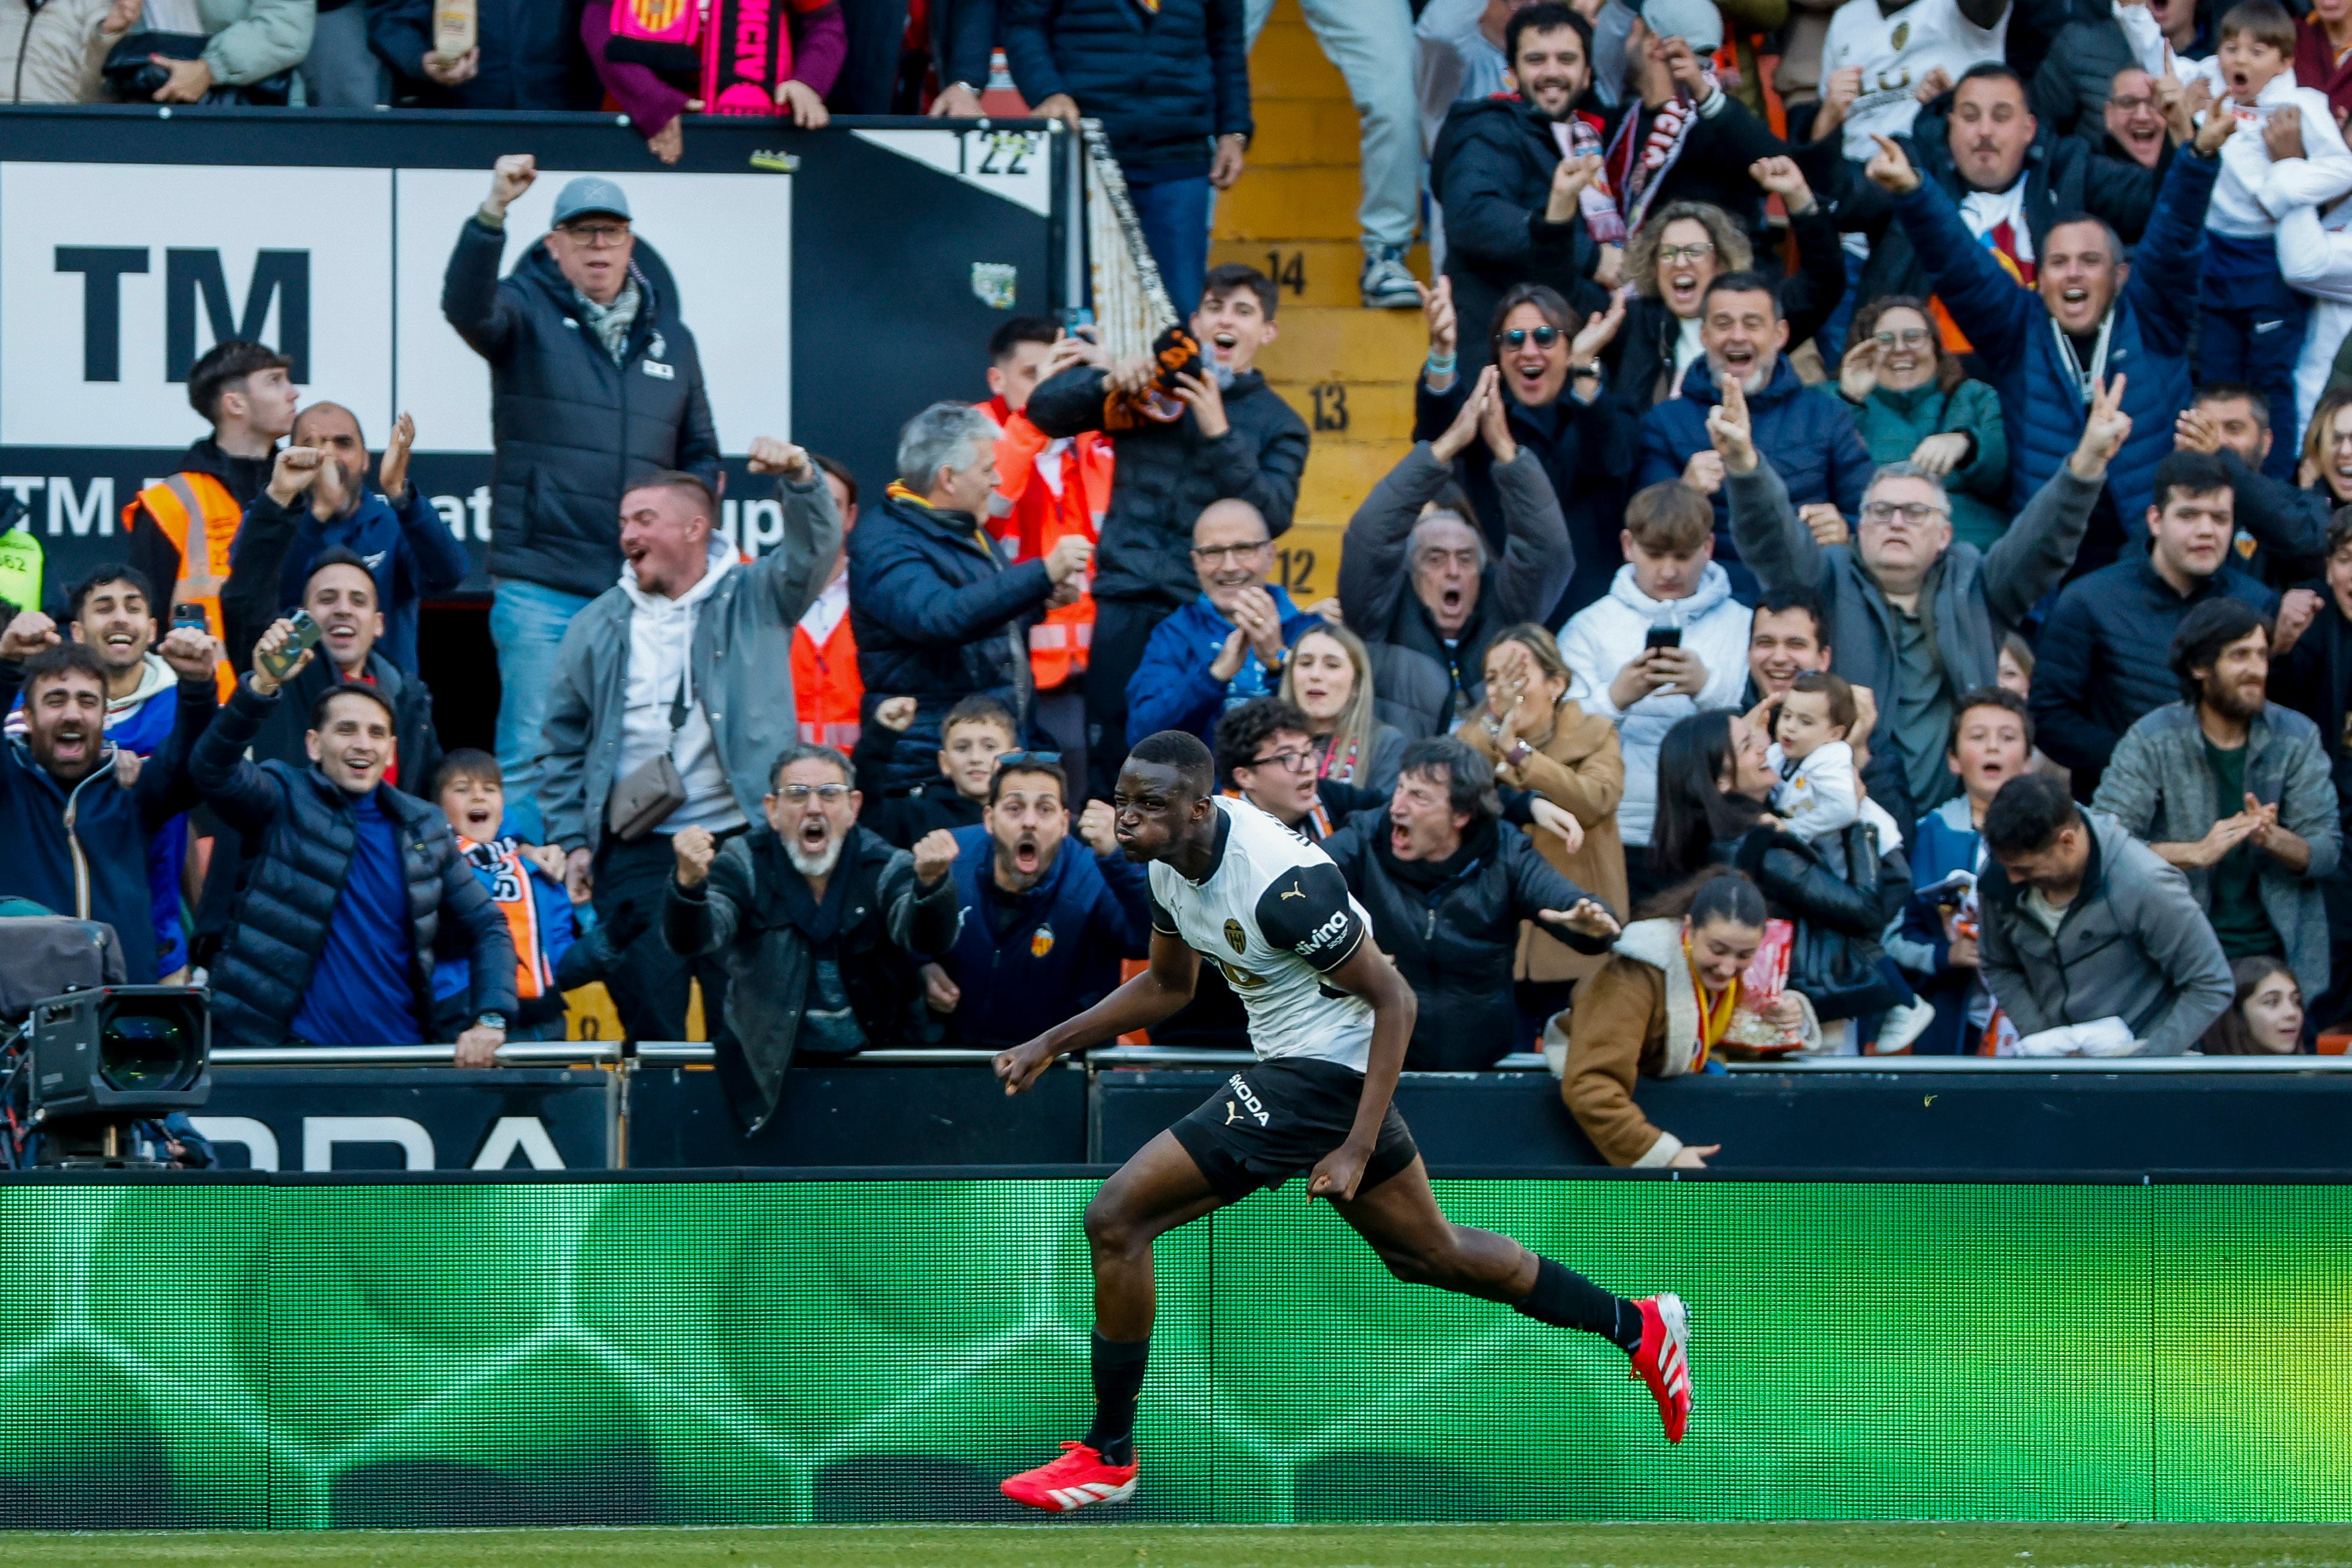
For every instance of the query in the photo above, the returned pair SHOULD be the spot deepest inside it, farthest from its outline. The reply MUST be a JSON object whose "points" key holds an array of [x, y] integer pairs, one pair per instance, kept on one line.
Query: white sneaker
{"points": [[1903, 1025], [1388, 283]]}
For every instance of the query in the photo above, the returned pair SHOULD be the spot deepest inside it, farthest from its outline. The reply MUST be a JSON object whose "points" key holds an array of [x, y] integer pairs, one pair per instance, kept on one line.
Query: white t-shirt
{"points": [[1276, 915], [1895, 53]]}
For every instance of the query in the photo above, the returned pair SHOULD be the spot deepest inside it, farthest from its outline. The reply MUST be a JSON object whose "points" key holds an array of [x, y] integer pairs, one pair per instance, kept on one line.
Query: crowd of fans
{"points": [[1874, 542]]}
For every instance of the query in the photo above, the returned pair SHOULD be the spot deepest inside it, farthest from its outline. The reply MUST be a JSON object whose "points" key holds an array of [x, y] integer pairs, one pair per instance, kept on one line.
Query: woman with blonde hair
{"points": [[1329, 677], [1540, 740], [2327, 449], [1683, 247]]}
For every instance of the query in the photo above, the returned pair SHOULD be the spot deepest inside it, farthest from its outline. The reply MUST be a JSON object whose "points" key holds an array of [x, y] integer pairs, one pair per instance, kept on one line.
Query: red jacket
{"points": [[2315, 65]]}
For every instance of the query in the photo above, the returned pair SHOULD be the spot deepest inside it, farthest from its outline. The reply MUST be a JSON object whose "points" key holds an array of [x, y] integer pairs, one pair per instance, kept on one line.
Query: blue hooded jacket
{"points": [[1811, 440], [1173, 689], [1059, 956], [2012, 330]]}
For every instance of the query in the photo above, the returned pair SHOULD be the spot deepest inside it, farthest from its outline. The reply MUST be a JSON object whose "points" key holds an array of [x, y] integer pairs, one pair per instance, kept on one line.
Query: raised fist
{"points": [[695, 849], [510, 177]]}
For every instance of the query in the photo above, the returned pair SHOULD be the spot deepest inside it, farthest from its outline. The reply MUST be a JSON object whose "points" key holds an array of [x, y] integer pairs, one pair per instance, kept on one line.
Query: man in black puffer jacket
{"points": [[937, 615], [346, 886], [594, 384], [1447, 890], [1512, 204], [1236, 439]]}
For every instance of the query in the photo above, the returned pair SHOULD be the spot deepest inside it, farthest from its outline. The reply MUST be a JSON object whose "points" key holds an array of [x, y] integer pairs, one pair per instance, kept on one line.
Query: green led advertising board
{"points": [[300, 1355]]}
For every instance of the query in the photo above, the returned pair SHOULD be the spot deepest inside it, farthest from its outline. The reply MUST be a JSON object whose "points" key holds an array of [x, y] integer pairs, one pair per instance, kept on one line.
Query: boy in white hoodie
{"points": [[1668, 640], [2251, 321]]}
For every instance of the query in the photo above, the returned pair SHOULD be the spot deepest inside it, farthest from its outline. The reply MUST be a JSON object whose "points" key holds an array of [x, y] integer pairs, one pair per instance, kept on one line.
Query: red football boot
{"points": [[1664, 1361], [1073, 1482]]}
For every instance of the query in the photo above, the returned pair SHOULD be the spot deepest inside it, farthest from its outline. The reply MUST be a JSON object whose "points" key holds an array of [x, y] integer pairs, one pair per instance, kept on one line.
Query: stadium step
{"points": [[1348, 371], [1314, 273]]}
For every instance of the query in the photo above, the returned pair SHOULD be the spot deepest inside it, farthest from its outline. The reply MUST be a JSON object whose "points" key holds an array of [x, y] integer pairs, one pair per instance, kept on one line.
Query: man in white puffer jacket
{"points": [[1669, 581]]}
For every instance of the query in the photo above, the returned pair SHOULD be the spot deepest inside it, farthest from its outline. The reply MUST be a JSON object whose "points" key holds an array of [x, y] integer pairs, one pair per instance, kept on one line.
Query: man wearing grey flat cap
{"points": [[594, 384]]}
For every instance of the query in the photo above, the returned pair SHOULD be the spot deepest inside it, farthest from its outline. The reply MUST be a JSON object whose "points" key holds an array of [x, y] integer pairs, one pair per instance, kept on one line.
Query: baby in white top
{"points": [[1820, 791]]}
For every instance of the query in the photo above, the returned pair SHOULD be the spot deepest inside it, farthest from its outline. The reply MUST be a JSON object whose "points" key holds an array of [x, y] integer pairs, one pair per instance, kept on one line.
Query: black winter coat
{"points": [[2061, 177], [1491, 168], [1455, 944], [530, 56], [301, 828], [278, 737], [2103, 658], [879, 919], [1419, 684], [1166, 474], [938, 616], [572, 430], [1163, 84], [1587, 451]]}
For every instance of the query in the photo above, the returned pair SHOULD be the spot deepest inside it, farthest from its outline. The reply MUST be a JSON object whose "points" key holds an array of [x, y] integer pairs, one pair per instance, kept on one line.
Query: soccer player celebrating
{"points": [[1330, 1018]]}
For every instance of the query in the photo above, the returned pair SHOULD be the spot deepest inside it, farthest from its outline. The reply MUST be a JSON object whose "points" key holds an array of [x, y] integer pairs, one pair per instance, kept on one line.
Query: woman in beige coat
{"points": [[1539, 741]]}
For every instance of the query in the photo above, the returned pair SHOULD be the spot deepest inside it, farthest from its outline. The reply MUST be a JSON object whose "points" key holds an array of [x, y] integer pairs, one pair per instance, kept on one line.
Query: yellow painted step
{"points": [[1356, 411], [1308, 559], [1313, 272], [1289, 63], [1313, 203], [1349, 344], [1339, 476], [1304, 131]]}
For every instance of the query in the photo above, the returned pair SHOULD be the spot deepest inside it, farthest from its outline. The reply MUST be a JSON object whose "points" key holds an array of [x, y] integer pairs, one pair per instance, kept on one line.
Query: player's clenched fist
{"points": [[510, 177], [1098, 827], [695, 849], [1018, 1068], [934, 853]]}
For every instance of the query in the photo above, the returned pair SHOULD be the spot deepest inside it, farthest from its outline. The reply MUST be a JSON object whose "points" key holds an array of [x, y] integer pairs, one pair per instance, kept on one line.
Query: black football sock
{"points": [[1567, 1300], [1118, 1378]]}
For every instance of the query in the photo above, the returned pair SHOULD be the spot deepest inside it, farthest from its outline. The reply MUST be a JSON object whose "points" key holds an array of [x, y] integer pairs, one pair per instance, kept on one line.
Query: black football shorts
{"points": [[1274, 1120]]}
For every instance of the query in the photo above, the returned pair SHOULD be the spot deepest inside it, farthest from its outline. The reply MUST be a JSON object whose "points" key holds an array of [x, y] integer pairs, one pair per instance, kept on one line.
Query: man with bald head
{"points": [[322, 501], [1226, 647]]}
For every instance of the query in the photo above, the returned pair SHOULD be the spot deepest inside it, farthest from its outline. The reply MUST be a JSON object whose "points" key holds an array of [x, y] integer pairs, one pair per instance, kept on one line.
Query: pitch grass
{"points": [[1178, 1546]]}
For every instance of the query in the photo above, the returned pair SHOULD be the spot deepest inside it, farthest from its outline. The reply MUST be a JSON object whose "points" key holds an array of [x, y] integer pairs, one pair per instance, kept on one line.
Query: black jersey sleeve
{"points": [[1161, 920], [1306, 909]]}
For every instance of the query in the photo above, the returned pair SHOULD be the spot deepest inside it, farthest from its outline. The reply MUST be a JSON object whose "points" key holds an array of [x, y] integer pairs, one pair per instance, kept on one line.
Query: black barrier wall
{"points": [[836, 280]]}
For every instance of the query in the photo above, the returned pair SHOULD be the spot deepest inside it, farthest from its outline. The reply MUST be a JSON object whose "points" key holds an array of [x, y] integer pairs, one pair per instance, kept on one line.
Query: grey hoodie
{"points": [[2133, 944]]}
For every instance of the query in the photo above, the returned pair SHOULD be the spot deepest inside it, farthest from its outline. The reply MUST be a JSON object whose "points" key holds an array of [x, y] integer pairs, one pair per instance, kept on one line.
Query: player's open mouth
{"points": [[815, 834], [1025, 854]]}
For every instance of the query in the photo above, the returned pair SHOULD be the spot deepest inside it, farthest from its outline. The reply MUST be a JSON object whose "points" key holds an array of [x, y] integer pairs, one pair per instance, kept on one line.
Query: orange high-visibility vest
{"points": [[1025, 512], [825, 688], [199, 516]]}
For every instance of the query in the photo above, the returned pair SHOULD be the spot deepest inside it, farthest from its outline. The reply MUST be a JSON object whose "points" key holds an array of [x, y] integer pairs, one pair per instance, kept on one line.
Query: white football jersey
{"points": [[1276, 915], [1895, 53]]}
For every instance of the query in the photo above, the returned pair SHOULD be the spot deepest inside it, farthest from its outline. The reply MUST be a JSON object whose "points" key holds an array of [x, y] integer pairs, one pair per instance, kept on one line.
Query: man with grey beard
{"points": [[821, 925]]}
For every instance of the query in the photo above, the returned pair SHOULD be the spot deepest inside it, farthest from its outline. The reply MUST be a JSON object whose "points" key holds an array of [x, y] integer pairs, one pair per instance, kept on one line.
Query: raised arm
{"points": [[2035, 554], [1774, 543], [1983, 299], [792, 575], [471, 300]]}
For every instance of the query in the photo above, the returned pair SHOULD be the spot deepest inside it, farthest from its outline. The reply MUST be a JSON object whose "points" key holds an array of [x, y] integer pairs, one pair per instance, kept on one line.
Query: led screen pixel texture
{"points": [[305, 1355]]}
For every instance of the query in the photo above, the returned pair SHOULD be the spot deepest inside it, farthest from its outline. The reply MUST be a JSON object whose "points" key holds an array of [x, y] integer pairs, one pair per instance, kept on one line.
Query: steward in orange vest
{"points": [[181, 529], [1047, 489], [825, 687]]}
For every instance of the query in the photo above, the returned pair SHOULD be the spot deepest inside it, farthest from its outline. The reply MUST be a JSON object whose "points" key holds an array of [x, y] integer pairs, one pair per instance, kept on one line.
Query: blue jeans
{"points": [[1174, 215], [527, 622]]}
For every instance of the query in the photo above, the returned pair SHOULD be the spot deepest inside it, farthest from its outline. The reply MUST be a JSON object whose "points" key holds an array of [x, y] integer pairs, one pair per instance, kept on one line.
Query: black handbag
{"points": [[132, 76], [1839, 973]]}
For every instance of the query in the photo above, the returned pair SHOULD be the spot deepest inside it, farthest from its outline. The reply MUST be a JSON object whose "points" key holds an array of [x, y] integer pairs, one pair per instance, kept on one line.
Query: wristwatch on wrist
{"points": [[959, 87], [491, 1021], [1520, 753]]}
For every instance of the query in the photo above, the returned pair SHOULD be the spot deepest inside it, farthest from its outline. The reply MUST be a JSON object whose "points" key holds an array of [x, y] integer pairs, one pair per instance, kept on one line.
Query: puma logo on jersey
{"points": [[1242, 1092], [1294, 891]]}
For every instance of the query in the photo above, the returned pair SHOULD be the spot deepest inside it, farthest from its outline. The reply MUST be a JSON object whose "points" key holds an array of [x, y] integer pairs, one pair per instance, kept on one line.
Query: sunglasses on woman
{"points": [[1516, 338]]}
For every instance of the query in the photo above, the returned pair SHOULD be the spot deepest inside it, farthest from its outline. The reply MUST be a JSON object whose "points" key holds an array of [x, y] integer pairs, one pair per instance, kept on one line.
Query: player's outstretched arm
{"points": [[1369, 974], [1149, 997]]}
